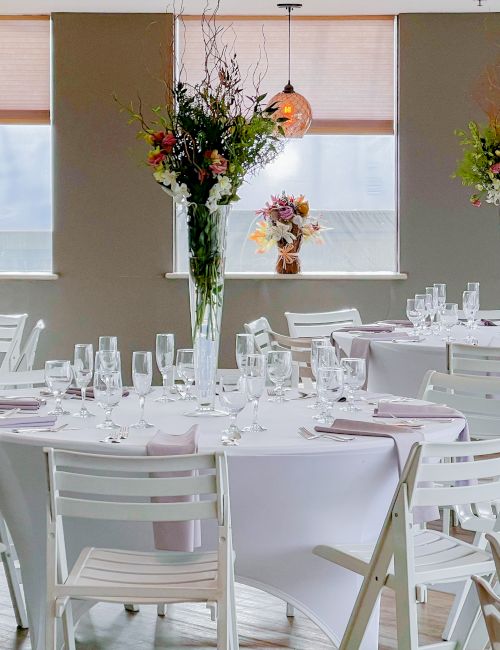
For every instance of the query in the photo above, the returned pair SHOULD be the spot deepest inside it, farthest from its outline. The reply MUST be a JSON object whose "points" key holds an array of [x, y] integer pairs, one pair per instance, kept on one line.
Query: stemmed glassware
{"points": [[83, 367], [279, 368], [185, 369], [142, 376], [441, 291], [254, 372], [354, 377], [431, 303], [234, 401], [108, 344], [413, 313], [449, 315], [58, 376], [330, 389], [108, 392], [421, 308], [245, 345], [316, 344], [165, 361], [474, 286], [470, 307]]}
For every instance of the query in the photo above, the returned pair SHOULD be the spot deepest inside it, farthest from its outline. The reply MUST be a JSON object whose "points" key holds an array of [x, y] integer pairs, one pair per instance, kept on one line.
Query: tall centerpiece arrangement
{"points": [[286, 223], [202, 144]]}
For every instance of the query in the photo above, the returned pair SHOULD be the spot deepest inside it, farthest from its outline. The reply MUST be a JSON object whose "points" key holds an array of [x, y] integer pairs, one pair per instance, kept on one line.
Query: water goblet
{"points": [[354, 377], [165, 363], [83, 367], [245, 345], [185, 369], [254, 372], [421, 307], [234, 401], [450, 318], [413, 313], [58, 376], [279, 368], [330, 389], [142, 376], [108, 390]]}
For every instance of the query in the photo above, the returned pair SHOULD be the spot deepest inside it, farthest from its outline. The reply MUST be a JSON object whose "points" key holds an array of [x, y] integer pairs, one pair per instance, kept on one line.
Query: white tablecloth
{"points": [[287, 495], [399, 368]]}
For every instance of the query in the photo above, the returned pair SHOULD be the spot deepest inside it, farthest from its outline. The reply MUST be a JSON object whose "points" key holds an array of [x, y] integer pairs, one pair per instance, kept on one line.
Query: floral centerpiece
{"points": [[286, 224], [202, 145]]}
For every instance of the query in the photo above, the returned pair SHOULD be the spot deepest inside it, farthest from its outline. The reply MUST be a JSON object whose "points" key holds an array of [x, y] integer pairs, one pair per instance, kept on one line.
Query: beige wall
{"points": [[112, 239]]}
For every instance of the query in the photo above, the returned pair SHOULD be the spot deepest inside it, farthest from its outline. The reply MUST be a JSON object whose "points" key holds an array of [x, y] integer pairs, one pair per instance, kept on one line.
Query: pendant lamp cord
{"points": [[289, 40]]}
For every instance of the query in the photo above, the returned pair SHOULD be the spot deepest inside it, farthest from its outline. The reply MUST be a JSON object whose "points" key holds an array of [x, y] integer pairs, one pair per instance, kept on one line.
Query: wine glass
{"points": [[185, 369], [108, 361], [354, 377], [421, 307], [279, 368], [474, 286], [431, 303], [108, 344], [108, 390], [165, 362], [83, 367], [245, 345], [469, 307], [413, 313], [441, 290], [58, 376], [316, 343], [450, 318], [234, 401], [254, 371], [330, 389], [142, 376]]}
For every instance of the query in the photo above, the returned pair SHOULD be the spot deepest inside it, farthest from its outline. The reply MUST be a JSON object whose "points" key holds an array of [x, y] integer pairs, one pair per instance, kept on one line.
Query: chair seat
{"points": [[134, 572], [438, 558]]}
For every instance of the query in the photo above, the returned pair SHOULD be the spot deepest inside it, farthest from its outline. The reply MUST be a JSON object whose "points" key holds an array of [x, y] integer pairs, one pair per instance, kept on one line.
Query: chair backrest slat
{"points": [[130, 511], [456, 471], [260, 329], [473, 359], [300, 349], [457, 495], [27, 354], [311, 325], [132, 486], [11, 332], [134, 464]]}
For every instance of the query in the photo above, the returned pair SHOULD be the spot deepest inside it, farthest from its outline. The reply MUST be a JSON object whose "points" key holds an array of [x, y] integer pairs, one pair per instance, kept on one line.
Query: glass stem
{"points": [[142, 402], [165, 387], [255, 404], [83, 391], [58, 401], [108, 415]]}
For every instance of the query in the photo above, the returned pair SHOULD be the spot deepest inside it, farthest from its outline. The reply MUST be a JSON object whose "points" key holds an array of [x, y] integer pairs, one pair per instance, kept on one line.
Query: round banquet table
{"points": [[399, 367], [287, 495]]}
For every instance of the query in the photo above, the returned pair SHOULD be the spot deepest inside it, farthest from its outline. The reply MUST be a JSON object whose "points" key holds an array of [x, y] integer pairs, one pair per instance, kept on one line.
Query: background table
{"points": [[399, 368], [287, 495]]}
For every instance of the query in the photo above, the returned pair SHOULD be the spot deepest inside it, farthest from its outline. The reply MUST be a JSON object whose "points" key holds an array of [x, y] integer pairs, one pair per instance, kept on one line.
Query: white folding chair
{"points": [[11, 334], [490, 606], [114, 488], [321, 323], [301, 356], [476, 360], [12, 574], [486, 314], [406, 556], [27, 355], [260, 328]]}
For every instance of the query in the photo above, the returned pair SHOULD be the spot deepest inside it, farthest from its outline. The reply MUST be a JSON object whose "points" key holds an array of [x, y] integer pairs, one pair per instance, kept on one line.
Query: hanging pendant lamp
{"points": [[290, 104]]}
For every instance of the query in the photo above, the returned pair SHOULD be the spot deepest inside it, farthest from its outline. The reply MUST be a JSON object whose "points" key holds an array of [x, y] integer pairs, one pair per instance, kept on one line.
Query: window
{"points": [[25, 165], [345, 165]]}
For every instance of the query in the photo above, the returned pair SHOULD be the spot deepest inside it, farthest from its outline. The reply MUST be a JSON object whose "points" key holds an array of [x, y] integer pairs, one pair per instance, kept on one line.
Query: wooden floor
{"points": [[261, 620]]}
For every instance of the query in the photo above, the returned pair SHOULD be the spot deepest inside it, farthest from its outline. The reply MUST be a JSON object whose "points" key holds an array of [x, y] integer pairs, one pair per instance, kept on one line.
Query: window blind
{"points": [[24, 70], [344, 66]]}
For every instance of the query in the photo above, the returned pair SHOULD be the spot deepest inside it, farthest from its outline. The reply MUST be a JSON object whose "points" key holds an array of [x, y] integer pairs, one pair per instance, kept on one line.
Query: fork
{"points": [[44, 429], [309, 435], [7, 414], [124, 432]]}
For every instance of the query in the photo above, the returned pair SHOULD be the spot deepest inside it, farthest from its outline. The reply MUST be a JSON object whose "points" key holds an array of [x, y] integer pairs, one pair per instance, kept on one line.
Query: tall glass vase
{"points": [[207, 234]]}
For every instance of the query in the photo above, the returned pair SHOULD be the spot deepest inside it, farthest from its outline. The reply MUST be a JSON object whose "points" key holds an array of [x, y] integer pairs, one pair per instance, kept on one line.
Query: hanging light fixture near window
{"points": [[290, 104]]}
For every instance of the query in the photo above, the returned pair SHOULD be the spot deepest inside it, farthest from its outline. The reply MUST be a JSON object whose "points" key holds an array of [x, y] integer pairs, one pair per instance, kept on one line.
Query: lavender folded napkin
{"points": [[89, 393], [28, 422], [399, 323], [372, 327], [25, 404], [175, 535], [487, 323], [409, 410]]}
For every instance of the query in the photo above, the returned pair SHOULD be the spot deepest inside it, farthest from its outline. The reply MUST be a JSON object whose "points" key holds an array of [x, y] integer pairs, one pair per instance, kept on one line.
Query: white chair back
{"points": [[27, 355], [478, 398], [486, 314], [301, 355], [260, 328], [320, 323], [490, 606], [11, 333]]}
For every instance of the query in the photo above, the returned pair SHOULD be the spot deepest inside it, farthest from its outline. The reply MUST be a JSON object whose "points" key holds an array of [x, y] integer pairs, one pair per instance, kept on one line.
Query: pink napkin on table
{"points": [[409, 410], [89, 393], [372, 327], [28, 422], [175, 535], [399, 323], [25, 404], [487, 323]]}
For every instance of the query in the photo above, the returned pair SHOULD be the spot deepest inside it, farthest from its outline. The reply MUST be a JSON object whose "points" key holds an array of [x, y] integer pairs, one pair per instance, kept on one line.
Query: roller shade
{"points": [[345, 66]]}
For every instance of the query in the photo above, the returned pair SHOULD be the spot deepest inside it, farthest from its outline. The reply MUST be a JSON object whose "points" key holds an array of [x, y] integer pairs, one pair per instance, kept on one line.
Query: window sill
{"points": [[304, 276], [28, 276]]}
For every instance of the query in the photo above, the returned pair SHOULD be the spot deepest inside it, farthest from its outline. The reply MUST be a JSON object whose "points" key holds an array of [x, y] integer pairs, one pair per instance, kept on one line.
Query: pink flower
{"points": [[155, 158], [495, 169], [286, 212], [157, 137], [476, 203], [168, 142], [219, 167]]}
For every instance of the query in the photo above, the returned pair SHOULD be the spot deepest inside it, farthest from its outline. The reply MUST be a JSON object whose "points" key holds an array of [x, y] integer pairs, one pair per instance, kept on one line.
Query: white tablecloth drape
{"points": [[287, 495]]}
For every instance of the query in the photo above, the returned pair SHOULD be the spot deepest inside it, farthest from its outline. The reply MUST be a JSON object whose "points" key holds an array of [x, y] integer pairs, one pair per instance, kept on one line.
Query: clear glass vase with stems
{"points": [[83, 368], [254, 373], [108, 391], [165, 345], [58, 377], [233, 400], [207, 235]]}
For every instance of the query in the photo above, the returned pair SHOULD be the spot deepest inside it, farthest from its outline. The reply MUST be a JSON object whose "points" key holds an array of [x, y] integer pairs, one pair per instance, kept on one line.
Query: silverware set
{"points": [[309, 435], [117, 435], [45, 429]]}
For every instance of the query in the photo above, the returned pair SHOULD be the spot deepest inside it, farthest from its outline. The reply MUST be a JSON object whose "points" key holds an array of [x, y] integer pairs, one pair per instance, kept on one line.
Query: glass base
{"points": [[59, 412], [108, 426], [142, 424], [350, 408], [206, 412], [83, 413], [254, 428], [164, 399], [187, 398]]}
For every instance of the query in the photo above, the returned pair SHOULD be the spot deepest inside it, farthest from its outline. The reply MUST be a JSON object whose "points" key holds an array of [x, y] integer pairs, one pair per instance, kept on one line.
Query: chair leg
{"points": [[130, 607], [223, 624], [68, 628], [11, 574], [161, 609], [406, 617], [213, 611], [446, 520], [51, 627], [290, 610]]}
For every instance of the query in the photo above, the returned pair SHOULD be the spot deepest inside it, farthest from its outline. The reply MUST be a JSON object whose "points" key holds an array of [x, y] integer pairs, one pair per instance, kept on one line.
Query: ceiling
{"points": [[251, 7]]}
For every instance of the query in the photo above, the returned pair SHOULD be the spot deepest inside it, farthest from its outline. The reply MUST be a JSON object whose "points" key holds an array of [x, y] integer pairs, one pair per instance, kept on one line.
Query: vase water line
{"points": [[207, 235]]}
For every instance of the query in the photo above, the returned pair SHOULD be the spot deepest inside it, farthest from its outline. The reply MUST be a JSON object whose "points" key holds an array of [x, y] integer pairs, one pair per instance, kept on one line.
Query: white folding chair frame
{"points": [[321, 323], [12, 574]]}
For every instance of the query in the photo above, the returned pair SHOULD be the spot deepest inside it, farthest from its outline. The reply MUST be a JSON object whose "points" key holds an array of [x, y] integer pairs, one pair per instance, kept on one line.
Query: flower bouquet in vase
{"points": [[286, 223], [202, 143]]}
